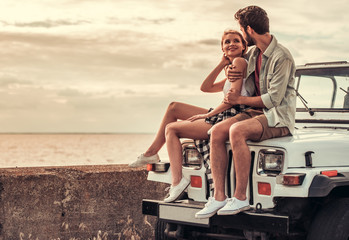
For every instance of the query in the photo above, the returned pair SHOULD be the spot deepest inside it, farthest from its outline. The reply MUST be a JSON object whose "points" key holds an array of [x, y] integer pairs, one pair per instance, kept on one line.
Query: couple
{"points": [[265, 84]]}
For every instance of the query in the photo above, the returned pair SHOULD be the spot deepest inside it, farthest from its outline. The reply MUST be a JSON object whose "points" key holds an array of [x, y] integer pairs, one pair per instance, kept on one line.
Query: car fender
{"points": [[322, 185]]}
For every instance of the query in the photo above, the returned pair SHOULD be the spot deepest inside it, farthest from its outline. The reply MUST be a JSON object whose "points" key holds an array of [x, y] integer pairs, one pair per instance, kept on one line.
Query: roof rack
{"points": [[326, 63]]}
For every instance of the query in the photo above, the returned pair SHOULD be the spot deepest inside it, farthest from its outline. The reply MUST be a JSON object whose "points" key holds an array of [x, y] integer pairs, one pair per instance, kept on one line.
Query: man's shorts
{"points": [[268, 132]]}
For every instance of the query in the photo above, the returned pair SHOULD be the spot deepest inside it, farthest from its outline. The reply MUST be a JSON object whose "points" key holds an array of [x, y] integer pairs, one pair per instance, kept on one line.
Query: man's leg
{"points": [[218, 160], [218, 156], [239, 133]]}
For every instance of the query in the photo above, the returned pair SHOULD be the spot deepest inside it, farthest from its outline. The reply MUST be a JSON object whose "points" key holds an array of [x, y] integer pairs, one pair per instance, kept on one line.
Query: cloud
{"points": [[70, 92], [213, 42], [140, 20], [45, 24], [107, 66], [10, 81], [155, 21]]}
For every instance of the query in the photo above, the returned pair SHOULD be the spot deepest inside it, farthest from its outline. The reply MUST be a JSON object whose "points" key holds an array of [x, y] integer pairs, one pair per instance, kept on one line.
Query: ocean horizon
{"points": [[72, 149]]}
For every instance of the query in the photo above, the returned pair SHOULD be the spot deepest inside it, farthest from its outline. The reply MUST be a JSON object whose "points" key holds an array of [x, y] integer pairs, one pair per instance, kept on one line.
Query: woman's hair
{"points": [[255, 17], [230, 31]]}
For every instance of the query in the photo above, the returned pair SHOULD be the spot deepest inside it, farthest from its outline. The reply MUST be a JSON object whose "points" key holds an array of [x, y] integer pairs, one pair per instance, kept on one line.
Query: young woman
{"points": [[197, 121]]}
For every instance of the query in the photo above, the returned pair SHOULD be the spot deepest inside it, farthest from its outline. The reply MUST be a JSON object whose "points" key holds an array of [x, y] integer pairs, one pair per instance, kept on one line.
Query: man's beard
{"points": [[250, 41]]}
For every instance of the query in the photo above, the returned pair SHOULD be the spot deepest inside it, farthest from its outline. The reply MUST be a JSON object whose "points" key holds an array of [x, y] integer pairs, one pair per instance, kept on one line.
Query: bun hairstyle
{"points": [[230, 31]]}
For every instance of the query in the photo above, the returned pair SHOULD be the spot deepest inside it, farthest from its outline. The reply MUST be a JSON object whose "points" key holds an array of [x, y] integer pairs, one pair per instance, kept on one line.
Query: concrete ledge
{"points": [[82, 202]]}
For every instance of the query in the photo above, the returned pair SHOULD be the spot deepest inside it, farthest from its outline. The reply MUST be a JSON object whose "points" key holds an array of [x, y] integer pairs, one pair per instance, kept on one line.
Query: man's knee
{"points": [[236, 133], [218, 134], [245, 130], [235, 130]]}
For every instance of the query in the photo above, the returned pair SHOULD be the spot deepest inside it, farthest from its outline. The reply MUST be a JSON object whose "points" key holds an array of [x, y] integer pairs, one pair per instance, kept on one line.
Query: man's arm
{"points": [[277, 81], [234, 97]]}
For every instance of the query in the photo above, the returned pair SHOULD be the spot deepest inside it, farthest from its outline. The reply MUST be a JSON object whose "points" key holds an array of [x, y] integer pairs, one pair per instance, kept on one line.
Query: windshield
{"points": [[323, 88]]}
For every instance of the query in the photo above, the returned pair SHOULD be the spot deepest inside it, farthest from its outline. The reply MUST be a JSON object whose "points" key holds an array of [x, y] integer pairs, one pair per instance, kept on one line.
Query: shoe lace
{"points": [[168, 189], [230, 201], [210, 200]]}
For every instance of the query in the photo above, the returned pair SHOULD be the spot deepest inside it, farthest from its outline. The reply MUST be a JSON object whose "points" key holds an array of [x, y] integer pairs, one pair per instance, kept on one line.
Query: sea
{"points": [[44, 150]]}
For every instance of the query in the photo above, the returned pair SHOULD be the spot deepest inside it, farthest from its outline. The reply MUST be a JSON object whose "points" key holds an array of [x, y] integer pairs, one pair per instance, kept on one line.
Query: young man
{"points": [[270, 75]]}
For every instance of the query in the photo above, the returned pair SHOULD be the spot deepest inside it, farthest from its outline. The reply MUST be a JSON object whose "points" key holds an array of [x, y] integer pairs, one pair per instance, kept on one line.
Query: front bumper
{"points": [[183, 213]]}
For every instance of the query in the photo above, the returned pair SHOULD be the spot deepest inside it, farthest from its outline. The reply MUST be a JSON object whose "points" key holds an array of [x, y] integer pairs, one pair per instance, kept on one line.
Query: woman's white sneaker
{"points": [[176, 191], [211, 207], [143, 160], [234, 206]]}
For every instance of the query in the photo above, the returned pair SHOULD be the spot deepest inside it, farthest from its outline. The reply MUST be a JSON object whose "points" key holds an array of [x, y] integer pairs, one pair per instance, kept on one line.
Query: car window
{"points": [[323, 88], [317, 91]]}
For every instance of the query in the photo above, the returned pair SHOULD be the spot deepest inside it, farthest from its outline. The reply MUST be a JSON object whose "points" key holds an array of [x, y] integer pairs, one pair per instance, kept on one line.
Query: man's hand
{"points": [[232, 97], [233, 74]]}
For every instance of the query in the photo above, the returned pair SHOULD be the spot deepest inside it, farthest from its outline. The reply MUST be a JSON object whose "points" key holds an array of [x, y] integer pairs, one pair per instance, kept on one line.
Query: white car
{"points": [[298, 186]]}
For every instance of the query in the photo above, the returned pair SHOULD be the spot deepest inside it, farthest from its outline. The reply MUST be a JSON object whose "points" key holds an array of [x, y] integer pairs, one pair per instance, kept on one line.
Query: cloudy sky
{"points": [[114, 65]]}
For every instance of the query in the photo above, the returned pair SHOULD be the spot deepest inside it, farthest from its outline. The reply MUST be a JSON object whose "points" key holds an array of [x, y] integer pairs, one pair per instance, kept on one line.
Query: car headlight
{"points": [[191, 156], [270, 161]]}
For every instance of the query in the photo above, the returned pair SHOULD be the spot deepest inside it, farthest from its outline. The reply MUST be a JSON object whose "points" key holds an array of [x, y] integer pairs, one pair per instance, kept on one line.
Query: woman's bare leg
{"points": [[183, 129], [175, 111]]}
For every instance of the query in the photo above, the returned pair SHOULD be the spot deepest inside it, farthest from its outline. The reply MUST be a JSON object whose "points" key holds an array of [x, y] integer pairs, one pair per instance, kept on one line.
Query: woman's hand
{"points": [[225, 60], [198, 116]]}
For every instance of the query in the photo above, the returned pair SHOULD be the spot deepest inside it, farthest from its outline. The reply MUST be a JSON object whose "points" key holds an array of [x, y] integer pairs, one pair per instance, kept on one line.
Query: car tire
{"points": [[331, 222], [160, 227]]}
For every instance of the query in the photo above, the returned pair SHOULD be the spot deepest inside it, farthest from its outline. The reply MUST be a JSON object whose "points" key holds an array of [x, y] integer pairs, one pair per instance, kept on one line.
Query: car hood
{"points": [[330, 146]]}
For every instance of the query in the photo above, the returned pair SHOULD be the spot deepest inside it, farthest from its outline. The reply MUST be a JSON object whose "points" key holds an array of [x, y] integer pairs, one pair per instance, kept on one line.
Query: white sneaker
{"points": [[211, 207], [176, 191], [143, 160], [234, 206]]}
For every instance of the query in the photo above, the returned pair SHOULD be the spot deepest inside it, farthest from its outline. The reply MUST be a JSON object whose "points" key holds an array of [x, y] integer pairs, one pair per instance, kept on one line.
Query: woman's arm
{"points": [[209, 85], [238, 65], [220, 108]]}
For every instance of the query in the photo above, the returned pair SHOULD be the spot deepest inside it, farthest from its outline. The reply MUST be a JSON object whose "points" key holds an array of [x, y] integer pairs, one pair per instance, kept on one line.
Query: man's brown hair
{"points": [[255, 17]]}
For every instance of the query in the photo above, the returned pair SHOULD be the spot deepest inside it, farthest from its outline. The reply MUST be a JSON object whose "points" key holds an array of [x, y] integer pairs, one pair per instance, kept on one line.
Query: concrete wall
{"points": [[86, 202]]}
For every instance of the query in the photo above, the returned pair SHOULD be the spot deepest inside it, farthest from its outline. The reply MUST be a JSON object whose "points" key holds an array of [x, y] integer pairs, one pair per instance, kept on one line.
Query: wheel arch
{"points": [[323, 186]]}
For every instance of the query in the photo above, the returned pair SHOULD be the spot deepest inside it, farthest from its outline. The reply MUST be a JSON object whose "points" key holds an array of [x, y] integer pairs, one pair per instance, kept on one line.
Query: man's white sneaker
{"points": [[234, 206], [143, 160], [210, 209], [176, 191]]}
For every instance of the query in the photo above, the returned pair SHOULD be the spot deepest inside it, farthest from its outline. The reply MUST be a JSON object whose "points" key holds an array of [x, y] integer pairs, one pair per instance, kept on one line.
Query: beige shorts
{"points": [[268, 132]]}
